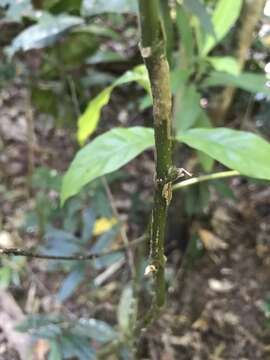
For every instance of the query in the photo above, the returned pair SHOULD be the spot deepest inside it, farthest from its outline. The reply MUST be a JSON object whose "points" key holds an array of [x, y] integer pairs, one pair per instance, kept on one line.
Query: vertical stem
{"points": [[168, 28], [153, 50], [250, 16]]}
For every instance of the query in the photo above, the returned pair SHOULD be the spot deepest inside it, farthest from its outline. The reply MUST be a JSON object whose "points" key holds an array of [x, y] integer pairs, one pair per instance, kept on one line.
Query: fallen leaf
{"points": [[103, 224], [210, 241]]}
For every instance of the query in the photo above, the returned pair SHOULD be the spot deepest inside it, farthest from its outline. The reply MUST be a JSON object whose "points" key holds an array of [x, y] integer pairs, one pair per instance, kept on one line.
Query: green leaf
{"points": [[42, 326], [227, 64], [71, 283], [88, 121], [94, 329], [45, 33], [238, 150], [5, 277], [255, 83], [90, 7], [207, 162], [127, 310], [55, 351], [224, 17], [105, 154], [185, 31], [78, 347], [188, 110], [198, 9]]}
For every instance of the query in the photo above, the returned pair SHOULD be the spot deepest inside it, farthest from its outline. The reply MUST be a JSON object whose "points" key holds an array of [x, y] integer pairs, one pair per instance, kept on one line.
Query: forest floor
{"points": [[217, 301]]}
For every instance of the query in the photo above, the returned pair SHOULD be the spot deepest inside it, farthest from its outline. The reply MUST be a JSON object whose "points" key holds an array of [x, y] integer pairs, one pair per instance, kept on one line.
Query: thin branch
{"points": [[214, 176], [153, 51], [79, 257]]}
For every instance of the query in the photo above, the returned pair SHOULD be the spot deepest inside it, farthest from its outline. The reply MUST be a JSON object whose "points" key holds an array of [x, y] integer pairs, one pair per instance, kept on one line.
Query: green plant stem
{"points": [[214, 176], [250, 16], [168, 28], [153, 50]]}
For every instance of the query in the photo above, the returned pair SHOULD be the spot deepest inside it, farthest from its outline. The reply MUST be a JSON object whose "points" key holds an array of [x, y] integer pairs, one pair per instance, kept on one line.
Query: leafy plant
{"points": [[199, 70]]}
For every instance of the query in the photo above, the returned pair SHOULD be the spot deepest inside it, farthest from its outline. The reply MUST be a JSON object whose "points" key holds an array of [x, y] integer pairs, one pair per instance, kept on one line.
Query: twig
{"points": [[153, 51], [214, 176], [90, 256], [101, 278]]}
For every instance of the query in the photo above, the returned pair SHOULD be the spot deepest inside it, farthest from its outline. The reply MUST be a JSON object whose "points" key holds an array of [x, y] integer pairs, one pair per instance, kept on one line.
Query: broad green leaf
{"points": [[198, 9], [227, 64], [105, 154], [88, 121], [238, 150], [45, 33], [224, 17], [255, 83], [90, 7]]}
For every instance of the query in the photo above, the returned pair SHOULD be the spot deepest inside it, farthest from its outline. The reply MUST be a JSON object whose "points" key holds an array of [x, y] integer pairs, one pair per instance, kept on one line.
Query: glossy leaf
{"points": [[224, 17], [45, 33], [90, 7], [88, 121], [238, 150], [103, 155], [255, 83], [226, 64]]}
